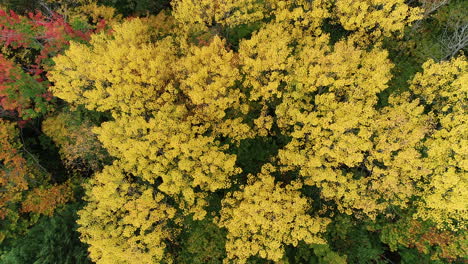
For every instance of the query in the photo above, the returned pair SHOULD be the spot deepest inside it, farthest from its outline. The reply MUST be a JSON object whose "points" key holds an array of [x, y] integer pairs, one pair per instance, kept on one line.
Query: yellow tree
{"points": [[124, 220], [208, 76], [370, 20], [264, 216], [124, 72], [364, 159], [201, 14], [444, 87], [169, 112], [265, 60]]}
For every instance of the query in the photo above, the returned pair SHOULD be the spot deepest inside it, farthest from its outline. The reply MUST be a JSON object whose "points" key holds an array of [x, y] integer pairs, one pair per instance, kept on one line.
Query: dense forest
{"points": [[233, 131]]}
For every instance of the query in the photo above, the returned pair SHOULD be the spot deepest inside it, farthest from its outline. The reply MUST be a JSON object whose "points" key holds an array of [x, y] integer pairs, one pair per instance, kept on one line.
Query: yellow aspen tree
{"points": [[202, 14], [300, 9], [66, 7], [209, 77], [395, 160], [125, 221], [169, 148], [96, 12], [169, 112], [444, 87], [343, 85], [371, 20], [363, 159], [123, 72], [265, 59], [264, 216], [302, 17], [387, 173], [181, 109]]}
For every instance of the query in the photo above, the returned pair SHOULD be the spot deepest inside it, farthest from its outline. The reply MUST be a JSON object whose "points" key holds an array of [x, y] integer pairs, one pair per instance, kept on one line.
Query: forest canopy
{"points": [[237, 131]]}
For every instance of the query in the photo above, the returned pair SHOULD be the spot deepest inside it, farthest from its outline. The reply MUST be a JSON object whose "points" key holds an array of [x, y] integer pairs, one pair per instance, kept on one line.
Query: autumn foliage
{"points": [[25, 188], [282, 127], [29, 42]]}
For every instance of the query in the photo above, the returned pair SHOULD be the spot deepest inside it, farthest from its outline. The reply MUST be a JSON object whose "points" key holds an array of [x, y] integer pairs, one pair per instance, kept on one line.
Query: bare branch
{"points": [[454, 41], [51, 13], [430, 6], [30, 154]]}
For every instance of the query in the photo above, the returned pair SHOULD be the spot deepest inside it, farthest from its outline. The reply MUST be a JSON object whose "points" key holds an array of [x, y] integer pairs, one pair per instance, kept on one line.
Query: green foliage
{"points": [[326, 256], [20, 6], [79, 24], [352, 238], [429, 37], [52, 240], [313, 254], [404, 70], [411, 255], [137, 7], [234, 34], [421, 240], [252, 153], [13, 226], [452, 14], [202, 242], [27, 89]]}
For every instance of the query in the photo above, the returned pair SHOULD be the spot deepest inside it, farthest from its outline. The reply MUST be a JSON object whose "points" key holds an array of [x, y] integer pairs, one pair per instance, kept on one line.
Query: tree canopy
{"points": [[247, 131]]}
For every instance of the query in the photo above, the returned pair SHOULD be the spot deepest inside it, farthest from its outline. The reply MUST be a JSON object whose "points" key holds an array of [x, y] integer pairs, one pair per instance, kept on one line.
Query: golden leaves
{"points": [[124, 221], [264, 216], [123, 72], [373, 19], [444, 86]]}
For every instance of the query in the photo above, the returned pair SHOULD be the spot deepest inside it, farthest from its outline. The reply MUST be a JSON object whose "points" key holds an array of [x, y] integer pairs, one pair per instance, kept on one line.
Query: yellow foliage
{"points": [[201, 14], [124, 221], [264, 216], [160, 24], [168, 111], [373, 19], [343, 129], [208, 76], [126, 71], [179, 108], [445, 86], [302, 16], [265, 60], [84, 10], [169, 148], [395, 161], [14, 172], [96, 12]]}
